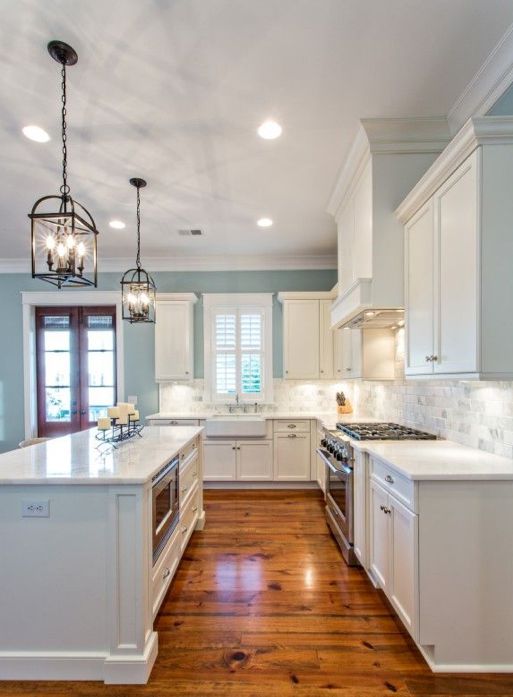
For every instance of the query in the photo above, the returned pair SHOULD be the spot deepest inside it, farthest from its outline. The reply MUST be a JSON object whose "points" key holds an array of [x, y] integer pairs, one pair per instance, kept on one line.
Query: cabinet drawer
{"points": [[398, 485], [292, 426], [165, 568], [173, 422], [188, 517], [188, 476], [188, 450]]}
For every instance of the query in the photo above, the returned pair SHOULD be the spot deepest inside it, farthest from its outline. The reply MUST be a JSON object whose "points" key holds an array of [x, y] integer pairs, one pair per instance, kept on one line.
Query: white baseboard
{"points": [[260, 485], [80, 665]]}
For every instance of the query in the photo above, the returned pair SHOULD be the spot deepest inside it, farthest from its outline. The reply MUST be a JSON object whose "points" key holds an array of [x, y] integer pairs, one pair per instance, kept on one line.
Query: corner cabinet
{"points": [[458, 247], [174, 337]]}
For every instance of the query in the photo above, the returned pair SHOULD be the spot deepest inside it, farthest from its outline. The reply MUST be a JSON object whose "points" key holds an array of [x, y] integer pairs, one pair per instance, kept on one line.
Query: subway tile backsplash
{"points": [[477, 414]]}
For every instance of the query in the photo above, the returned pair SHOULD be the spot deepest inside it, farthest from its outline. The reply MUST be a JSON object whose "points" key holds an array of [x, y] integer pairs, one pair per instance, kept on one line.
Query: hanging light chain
{"points": [[64, 188], [138, 228]]}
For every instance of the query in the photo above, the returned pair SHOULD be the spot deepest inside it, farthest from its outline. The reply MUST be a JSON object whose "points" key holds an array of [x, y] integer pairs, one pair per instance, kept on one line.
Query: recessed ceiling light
{"points": [[35, 133], [117, 224], [269, 130], [264, 222]]}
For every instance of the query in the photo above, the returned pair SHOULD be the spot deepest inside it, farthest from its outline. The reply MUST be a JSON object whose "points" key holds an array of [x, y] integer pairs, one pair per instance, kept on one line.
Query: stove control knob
{"points": [[324, 442]]}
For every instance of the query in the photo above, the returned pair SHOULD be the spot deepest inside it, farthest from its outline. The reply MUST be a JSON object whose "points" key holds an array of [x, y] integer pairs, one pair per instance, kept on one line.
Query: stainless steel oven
{"points": [[165, 489], [338, 458]]}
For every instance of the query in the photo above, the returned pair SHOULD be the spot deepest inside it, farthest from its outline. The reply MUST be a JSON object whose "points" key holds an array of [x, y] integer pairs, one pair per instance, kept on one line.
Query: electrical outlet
{"points": [[132, 399], [35, 509]]}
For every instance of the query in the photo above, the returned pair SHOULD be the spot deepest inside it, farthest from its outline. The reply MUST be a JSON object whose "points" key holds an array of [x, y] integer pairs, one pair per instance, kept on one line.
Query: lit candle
{"points": [[103, 423]]}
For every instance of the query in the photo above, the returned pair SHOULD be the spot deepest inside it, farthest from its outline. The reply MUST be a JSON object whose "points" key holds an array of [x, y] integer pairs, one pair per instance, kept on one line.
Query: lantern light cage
{"points": [[63, 232], [138, 289]]}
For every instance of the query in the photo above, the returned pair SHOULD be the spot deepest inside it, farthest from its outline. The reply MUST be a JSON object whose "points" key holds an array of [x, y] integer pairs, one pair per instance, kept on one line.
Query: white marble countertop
{"points": [[438, 460], [328, 419], [75, 459]]}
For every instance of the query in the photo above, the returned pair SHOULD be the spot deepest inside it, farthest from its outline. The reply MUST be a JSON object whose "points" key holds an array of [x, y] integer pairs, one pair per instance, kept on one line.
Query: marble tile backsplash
{"points": [[477, 414], [289, 395]]}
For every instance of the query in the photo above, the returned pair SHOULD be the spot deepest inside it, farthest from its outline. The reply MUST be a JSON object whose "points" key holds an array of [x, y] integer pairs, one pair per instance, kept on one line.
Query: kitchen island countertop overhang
{"points": [[77, 459]]}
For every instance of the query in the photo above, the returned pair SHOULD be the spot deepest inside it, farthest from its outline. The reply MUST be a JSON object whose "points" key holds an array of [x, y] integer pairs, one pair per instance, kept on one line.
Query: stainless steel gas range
{"points": [[337, 452]]}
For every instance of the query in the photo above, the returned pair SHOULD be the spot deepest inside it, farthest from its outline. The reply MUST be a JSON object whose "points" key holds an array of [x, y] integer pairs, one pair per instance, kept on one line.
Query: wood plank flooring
{"points": [[264, 606]]}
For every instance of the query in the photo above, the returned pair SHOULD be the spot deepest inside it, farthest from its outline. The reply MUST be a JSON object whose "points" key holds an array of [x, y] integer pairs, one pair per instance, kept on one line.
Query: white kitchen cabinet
{"points": [[459, 286], [238, 460], [403, 581], [419, 292], [301, 346], [219, 460], [326, 340], [292, 457], [380, 536], [254, 460], [394, 553], [174, 338], [308, 340], [364, 353], [360, 507]]}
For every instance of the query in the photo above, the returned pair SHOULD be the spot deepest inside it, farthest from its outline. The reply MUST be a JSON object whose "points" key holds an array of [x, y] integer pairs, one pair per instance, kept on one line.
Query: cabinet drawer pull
{"points": [[348, 369], [184, 489], [184, 529], [194, 509], [389, 479], [382, 508], [291, 435], [291, 425], [167, 572], [434, 358], [387, 510], [428, 359]]}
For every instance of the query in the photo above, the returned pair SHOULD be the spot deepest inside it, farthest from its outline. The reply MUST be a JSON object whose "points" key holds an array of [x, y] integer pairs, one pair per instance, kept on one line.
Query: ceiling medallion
{"points": [[63, 232], [138, 290]]}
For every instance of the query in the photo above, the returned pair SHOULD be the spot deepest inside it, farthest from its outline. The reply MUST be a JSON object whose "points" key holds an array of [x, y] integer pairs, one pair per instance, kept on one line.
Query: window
{"points": [[76, 367], [238, 347]]}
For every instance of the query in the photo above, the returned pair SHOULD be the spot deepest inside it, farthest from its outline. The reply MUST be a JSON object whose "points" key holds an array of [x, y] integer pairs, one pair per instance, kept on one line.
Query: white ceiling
{"points": [[173, 91]]}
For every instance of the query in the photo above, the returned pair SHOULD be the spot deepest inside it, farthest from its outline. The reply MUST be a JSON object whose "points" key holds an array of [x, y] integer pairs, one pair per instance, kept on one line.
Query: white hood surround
{"points": [[386, 160]]}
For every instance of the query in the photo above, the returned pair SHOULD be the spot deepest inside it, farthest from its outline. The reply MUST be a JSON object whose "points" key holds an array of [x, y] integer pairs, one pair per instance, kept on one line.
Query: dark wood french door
{"points": [[76, 367]]}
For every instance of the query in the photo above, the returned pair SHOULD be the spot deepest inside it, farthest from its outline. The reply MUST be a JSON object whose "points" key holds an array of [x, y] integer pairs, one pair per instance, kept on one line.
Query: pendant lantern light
{"points": [[63, 232], [138, 288]]}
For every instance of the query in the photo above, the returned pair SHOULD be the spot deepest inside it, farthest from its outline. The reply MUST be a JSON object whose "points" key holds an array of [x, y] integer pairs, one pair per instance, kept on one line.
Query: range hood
{"points": [[379, 319], [387, 159]]}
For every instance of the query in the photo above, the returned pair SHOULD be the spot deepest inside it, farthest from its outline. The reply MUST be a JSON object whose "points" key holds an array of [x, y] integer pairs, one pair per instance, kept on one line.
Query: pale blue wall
{"points": [[504, 105], [139, 342]]}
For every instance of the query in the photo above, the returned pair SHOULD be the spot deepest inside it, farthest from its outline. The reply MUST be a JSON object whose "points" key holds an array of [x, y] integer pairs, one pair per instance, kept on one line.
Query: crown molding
{"points": [[200, 263], [390, 136], [484, 130], [488, 84]]}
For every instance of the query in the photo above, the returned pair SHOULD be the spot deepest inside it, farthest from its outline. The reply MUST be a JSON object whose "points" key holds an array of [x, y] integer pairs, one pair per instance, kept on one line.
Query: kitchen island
{"points": [[79, 587]]}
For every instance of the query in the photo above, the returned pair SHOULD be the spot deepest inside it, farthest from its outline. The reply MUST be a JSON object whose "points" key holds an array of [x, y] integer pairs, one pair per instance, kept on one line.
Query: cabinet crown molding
{"points": [[478, 131], [307, 295], [390, 136], [184, 297]]}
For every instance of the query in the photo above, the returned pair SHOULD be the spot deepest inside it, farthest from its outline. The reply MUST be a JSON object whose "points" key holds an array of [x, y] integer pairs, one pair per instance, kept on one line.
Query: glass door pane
{"points": [[98, 347], [57, 383]]}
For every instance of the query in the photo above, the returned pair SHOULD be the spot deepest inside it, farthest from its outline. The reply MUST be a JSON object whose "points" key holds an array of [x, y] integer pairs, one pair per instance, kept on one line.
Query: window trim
{"points": [[30, 300], [263, 302]]}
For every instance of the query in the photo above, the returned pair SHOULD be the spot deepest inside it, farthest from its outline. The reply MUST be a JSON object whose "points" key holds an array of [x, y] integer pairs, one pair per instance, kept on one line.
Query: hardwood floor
{"points": [[264, 606]]}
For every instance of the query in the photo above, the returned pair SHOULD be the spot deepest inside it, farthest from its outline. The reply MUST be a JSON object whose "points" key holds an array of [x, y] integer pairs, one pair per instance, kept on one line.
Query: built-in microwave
{"points": [[166, 504]]}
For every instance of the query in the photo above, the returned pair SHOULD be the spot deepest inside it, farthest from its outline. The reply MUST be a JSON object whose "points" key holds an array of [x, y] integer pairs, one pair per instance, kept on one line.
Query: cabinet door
{"points": [[325, 340], [379, 535], [360, 507], [254, 460], [356, 368], [173, 341], [292, 457], [219, 461], [456, 289], [301, 339], [419, 291], [403, 564]]}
